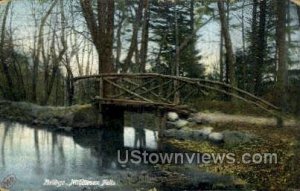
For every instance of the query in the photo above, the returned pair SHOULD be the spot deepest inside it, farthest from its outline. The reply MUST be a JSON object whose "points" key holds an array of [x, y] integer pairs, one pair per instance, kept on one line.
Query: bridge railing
{"points": [[158, 89]]}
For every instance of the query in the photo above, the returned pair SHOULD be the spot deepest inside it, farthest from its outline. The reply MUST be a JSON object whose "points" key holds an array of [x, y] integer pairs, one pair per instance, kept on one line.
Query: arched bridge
{"points": [[164, 91]]}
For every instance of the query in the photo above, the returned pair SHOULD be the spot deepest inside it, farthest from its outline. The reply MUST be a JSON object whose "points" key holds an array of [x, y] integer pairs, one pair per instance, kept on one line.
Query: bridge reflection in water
{"points": [[33, 154]]}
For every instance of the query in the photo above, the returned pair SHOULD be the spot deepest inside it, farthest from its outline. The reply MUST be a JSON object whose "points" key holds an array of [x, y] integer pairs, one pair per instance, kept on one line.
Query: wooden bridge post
{"points": [[101, 95], [111, 116], [162, 120], [176, 93]]}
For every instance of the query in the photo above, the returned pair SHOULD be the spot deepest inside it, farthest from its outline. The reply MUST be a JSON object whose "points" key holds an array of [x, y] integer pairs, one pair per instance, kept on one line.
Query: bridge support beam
{"points": [[111, 116], [161, 116]]}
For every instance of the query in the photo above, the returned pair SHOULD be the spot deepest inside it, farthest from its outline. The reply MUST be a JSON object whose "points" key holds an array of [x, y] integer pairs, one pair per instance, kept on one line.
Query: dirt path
{"points": [[241, 119]]}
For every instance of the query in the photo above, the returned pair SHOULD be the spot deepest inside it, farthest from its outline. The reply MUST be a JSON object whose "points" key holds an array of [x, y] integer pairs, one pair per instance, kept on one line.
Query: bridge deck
{"points": [[143, 105]]}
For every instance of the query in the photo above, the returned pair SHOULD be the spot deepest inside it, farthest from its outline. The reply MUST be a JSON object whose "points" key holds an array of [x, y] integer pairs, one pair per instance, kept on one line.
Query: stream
{"points": [[35, 158]]}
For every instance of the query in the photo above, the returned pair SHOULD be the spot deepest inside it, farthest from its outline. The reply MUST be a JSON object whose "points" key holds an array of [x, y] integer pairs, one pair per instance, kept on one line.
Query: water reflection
{"points": [[34, 155], [140, 138], [5, 129]]}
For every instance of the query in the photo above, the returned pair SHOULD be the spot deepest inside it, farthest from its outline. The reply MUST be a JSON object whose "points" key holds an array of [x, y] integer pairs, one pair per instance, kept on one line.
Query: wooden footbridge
{"points": [[119, 92]]}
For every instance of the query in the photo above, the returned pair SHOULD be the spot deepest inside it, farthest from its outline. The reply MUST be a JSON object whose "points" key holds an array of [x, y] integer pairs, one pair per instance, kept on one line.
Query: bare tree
{"points": [[9, 86], [37, 51], [57, 54], [101, 28], [134, 39], [145, 37], [260, 53], [281, 51], [230, 57]]}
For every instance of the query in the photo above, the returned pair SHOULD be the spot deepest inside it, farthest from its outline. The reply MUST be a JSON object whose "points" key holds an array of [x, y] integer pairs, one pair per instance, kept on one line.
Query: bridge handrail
{"points": [[181, 78]]}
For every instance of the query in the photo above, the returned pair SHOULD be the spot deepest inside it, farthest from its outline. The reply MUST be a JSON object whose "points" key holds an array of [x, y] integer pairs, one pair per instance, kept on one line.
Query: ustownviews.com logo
{"points": [[144, 157]]}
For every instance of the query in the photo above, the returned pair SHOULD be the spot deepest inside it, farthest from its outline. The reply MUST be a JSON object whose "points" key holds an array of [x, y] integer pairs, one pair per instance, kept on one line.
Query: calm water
{"points": [[34, 155]]}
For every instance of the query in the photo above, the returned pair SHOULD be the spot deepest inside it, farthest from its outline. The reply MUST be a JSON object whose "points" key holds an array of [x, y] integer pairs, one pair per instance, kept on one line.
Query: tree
{"points": [[230, 57], [101, 28], [175, 33], [9, 86], [56, 56], [298, 12], [134, 39], [145, 37], [281, 51], [37, 51]]}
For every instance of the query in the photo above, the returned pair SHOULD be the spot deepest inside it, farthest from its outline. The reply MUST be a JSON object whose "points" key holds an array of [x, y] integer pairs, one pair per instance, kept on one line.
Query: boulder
{"points": [[172, 116], [199, 119], [198, 135], [170, 125], [181, 123], [182, 134], [176, 124], [216, 137], [170, 133], [185, 134], [206, 131]]}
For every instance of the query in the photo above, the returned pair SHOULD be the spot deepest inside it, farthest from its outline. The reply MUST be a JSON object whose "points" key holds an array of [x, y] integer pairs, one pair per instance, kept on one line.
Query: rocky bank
{"points": [[77, 116]]}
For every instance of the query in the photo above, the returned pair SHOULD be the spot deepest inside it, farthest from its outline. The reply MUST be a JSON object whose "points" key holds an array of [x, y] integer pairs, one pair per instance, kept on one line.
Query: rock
{"points": [[216, 137], [184, 134], [177, 124], [170, 133], [181, 123], [206, 131], [76, 116], [233, 138], [198, 135], [190, 119], [181, 134], [170, 125], [199, 119], [172, 116]]}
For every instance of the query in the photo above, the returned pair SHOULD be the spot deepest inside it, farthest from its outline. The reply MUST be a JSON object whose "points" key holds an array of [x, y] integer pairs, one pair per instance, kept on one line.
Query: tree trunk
{"points": [[36, 53], [9, 86], [244, 67], [101, 27], [221, 57], [253, 36], [228, 44], [298, 12], [261, 48], [134, 40], [119, 40], [281, 51], [145, 37], [56, 57]]}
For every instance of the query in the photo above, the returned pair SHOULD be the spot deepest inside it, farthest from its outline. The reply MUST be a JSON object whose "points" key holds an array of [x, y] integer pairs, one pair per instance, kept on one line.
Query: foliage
{"points": [[172, 24], [280, 176]]}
